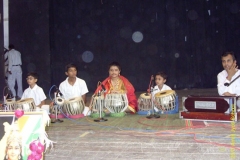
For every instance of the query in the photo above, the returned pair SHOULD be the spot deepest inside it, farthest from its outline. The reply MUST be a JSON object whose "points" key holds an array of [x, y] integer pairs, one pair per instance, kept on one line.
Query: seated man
{"points": [[229, 76]]}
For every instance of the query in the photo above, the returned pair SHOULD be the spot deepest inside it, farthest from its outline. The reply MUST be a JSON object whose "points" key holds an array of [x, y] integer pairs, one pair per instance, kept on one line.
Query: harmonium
{"points": [[210, 108]]}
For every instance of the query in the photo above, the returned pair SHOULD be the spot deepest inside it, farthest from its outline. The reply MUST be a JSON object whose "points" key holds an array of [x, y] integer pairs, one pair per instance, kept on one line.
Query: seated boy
{"points": [[34, 91], [160, 80], [73, 86]]}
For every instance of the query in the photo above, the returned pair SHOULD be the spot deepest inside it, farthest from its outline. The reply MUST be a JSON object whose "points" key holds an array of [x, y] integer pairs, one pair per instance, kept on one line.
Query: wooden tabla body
{"points": [[10, 105], [116, 103], [26, 104], [166, 101], [74, 106], [144, 104]]}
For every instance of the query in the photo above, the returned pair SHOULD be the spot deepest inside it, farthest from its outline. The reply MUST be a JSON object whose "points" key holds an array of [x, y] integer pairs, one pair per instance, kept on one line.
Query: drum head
{"points": [[165, 93], [145, 95], [26, 104], [60, 101]]}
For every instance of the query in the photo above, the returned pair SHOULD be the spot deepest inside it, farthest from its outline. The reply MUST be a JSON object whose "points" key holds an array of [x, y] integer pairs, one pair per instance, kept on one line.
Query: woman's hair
{"points": [[70, 65], [114, 64], [162, 74]]}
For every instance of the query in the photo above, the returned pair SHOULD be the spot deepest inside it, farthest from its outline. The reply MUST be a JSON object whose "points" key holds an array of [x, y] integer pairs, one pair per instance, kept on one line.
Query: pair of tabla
{"points": [[24, 104], [114, 103], [73, 107], [164, 101]]}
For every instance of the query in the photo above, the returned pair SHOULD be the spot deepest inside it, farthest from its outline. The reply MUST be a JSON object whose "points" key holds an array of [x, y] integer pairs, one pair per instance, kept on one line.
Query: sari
{"points": [[125, 85]]}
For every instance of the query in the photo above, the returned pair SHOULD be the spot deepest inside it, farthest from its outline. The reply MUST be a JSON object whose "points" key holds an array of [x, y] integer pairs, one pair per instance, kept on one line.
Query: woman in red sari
{"points": [[116, 83]]}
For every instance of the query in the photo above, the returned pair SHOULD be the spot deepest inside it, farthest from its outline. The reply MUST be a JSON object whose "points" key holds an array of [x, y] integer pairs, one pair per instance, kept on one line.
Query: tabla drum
{"points": [[116, 104], [144, 104], [26, 104], [74, 107], [97, 105], [10, 105], [166, 101]]}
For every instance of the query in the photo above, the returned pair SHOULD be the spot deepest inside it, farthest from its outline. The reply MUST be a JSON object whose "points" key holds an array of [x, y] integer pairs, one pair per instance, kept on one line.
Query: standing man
{"points": [[230, 74], [14, 71]]}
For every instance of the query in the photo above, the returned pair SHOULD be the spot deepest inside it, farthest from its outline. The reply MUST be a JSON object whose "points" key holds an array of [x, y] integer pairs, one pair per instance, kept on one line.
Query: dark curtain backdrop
{"points": [[184, 38]]}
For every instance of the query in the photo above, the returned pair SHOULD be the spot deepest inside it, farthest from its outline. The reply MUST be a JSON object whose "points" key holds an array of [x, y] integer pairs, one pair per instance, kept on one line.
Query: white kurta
{"points": [[36, 93], [164, 88], [70, 91], [234, 88]]}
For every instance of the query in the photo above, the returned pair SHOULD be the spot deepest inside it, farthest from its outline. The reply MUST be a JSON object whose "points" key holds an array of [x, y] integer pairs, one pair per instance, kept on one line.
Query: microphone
{"points": [[103, 88], [228, 84], [58, 92]]}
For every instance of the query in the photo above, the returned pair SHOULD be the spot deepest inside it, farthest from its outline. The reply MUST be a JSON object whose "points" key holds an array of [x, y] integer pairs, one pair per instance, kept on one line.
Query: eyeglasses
{"points": [[29, 78]]}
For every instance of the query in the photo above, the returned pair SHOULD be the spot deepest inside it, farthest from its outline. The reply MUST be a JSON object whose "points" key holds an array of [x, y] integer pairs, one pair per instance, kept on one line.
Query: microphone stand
{"points": [[100, 119], [55, 105], [152, 114]]}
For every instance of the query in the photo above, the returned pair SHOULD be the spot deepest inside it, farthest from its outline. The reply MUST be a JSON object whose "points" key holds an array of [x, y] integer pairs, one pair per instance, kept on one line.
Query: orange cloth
{"points": [[130, 91]]}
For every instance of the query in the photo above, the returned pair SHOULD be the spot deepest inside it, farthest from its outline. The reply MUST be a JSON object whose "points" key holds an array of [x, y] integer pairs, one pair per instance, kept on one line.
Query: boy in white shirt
{"points": [[160, 80], [73, 86], [34, 91]]}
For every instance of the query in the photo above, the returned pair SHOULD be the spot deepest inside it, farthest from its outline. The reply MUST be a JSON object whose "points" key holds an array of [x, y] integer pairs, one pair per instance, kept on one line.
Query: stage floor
{"points": [[135, 137]]}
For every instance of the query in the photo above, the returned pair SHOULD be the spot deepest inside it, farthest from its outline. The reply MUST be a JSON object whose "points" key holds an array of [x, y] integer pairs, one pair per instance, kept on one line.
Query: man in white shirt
{"points": [[73, 86], [229, 76], [14, 71]]}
